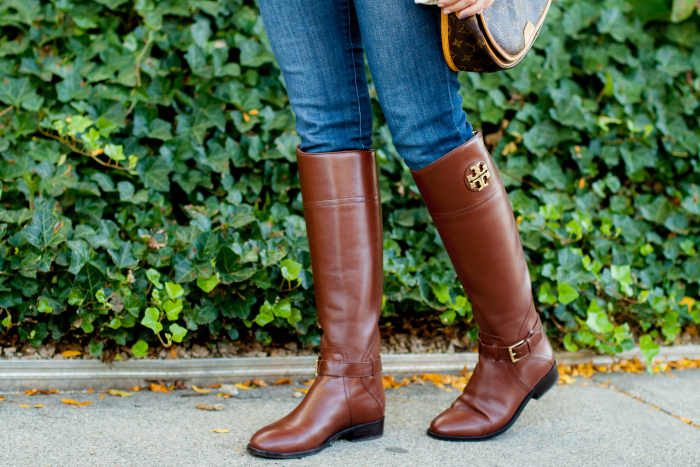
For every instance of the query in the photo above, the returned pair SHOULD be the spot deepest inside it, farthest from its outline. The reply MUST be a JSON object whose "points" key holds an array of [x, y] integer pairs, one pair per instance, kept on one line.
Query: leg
{"points": [[318, 47], [417, 91], [469, 205], [320, 54]]}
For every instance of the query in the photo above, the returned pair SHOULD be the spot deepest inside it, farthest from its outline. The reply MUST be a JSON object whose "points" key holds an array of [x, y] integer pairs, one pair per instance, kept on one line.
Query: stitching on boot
{"points": [[468, 209], [341, 201], [529, 311], [365, 383], [516, 378], [371, 392], [347, 400]]}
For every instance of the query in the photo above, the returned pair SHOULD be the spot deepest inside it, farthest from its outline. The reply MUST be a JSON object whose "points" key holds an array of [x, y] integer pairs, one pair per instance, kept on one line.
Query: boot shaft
{"points": [[471, 210], [342, 207]]}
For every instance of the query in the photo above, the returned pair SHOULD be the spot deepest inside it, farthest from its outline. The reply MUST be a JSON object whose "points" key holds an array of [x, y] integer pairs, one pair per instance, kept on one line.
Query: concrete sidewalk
{"points": [[635, 420]]}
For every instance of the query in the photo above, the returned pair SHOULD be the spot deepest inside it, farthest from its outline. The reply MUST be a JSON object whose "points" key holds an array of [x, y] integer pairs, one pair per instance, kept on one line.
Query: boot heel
{"points": [[367, 431], [547, 383]]}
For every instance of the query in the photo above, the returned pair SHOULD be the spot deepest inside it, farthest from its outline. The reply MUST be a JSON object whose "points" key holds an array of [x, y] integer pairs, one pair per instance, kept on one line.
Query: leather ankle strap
{"points": [[348, 370], [514, 352]]}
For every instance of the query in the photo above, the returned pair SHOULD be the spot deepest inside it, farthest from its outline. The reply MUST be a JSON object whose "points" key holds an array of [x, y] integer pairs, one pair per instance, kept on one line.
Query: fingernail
{"points": [[446, 12], [462, 15], [441, 5]]}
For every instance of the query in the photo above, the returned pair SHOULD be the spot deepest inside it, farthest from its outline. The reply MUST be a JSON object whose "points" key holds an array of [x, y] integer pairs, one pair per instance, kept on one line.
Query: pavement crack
{"points": [[655, 407]]}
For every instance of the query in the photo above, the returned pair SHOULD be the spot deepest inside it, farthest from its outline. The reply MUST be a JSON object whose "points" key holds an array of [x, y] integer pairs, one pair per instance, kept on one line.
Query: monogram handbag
{"points": [[494, 40]]}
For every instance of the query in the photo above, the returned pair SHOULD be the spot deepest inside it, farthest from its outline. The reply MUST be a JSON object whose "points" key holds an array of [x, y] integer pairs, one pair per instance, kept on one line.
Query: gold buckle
{"points": [[512, 355], [318, 359]]}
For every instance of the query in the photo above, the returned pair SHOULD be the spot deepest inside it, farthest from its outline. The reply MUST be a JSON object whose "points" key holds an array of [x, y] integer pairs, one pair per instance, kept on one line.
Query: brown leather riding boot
{"points": [[340, 192], [471, 210]]}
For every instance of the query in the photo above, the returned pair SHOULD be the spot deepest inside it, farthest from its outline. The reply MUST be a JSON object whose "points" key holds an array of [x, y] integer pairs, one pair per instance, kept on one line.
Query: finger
{"points": [[458, 5], [446, 3], [473, 9]]}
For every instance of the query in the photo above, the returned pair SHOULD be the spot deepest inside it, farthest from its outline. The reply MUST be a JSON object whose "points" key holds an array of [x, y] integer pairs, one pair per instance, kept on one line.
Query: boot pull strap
{"points": [[514, 352], [348, 370]]}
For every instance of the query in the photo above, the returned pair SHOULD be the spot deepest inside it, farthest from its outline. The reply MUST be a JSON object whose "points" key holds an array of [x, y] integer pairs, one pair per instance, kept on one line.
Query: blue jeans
{"points": [[319, 47]]}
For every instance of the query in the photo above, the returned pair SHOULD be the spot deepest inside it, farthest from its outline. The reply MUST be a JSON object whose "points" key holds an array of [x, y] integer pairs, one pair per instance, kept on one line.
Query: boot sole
{"points": [[364, 432], [540, 390]]}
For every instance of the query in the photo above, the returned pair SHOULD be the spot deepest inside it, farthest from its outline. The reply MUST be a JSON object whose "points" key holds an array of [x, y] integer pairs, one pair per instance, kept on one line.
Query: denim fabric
{"points": [[319, 46]]}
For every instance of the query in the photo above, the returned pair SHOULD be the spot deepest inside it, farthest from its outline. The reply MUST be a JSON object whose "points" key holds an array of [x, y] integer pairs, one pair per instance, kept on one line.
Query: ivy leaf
{"points": [[597, 319], [649, 348], [265, 315], [43, 306], [96, 347], [207, 284], [283, 309], [178, 332], [123, 257], [140, 348], [566, 293], [174, 291], [172, 309], [683, 9], [290, 269], [46, 229], [187, 270], [151, 320], [154, 172], [15, 91], [115, 152]]}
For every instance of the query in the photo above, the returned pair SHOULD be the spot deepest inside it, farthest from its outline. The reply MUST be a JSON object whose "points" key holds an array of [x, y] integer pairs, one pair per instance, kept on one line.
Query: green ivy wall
{"points": [[150, 192]]}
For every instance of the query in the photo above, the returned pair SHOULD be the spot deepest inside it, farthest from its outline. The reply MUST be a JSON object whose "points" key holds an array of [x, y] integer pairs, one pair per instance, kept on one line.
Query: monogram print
{"points": [[496, 40]]}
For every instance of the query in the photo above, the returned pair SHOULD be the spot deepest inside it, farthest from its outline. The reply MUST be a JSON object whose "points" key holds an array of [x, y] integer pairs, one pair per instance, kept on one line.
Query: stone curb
{"points": [[73, 375]]}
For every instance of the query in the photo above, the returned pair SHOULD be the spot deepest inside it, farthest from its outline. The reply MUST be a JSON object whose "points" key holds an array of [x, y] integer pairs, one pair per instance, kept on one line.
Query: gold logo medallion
{"points": [[477, 176]]}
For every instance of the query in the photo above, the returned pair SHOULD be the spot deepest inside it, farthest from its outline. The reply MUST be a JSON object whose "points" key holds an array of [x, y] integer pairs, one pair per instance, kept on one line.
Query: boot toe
{"points": [[454, 423], [274, 439]]}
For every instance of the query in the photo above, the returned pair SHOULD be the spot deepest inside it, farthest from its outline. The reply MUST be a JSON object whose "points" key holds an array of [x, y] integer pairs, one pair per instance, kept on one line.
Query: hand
{"points": [[464, 8]]}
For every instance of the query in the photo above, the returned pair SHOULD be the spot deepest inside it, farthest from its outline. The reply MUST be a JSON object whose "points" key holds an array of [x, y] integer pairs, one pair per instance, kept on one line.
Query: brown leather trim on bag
{"points": [[348, 370], [494, 44], [445, 27]]}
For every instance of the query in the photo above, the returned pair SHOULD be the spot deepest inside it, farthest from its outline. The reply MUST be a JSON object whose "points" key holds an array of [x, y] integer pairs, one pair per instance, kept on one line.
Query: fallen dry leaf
{"points": [[72, 402], [38, 406], [117, 392], [23, 406], [219, 431], [136, 389], [243, 386], [282, 381], [213, 386], [309, 382], [203, 406], [300, 390], [259, 383], [71, 353], [157, 387], [90, 391], [201, 391], [566, 379], [173, 354], [31, 392], [102, 396]]}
